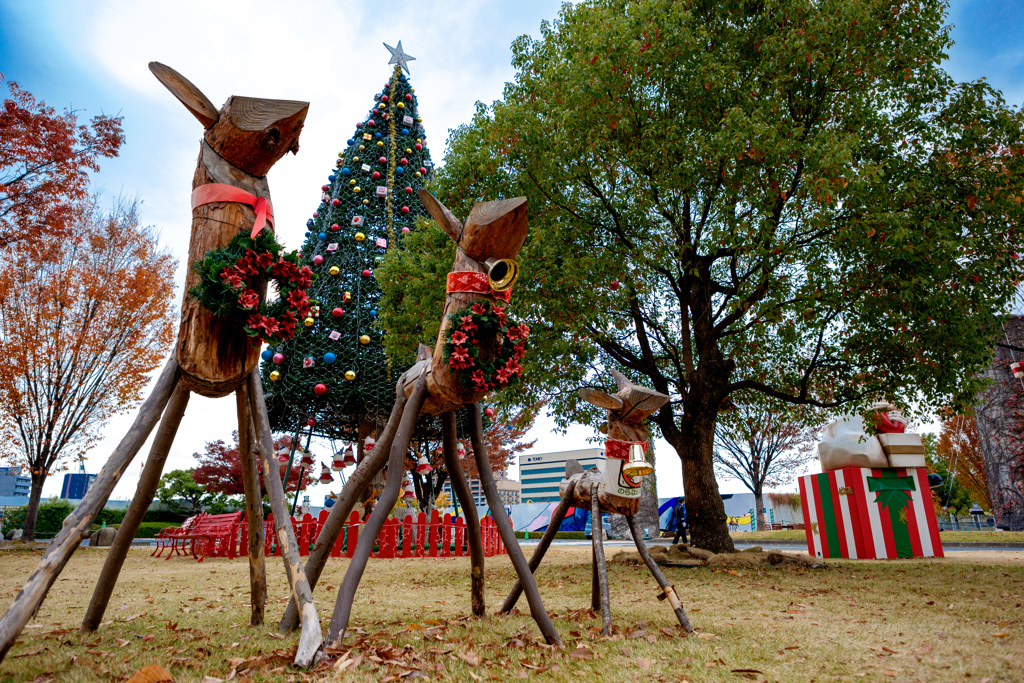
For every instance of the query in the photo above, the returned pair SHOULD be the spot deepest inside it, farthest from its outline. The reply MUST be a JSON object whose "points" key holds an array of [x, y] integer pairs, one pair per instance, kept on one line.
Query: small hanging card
{"points": [[381, 191], [382, 243], [308, 362], [365, 167], [367, 136], [333, 246], [407, 120], [334, 335], [357, 220]]}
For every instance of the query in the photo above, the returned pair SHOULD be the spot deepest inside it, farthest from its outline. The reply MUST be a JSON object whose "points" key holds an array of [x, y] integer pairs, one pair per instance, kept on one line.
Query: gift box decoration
{"points": [[864, 513]]}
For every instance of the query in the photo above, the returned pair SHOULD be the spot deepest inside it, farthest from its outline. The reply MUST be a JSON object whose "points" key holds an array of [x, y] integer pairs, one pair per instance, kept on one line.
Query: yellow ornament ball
{"points": [[418, 174], [275, 375], [360, 237], [352, 182], [408, 150], [341, 155], [382, 106], [334, 270], [380, 143], [309, 322], [349, 375], [365, 339], [366, 201], [356, 189], [401, 105]]}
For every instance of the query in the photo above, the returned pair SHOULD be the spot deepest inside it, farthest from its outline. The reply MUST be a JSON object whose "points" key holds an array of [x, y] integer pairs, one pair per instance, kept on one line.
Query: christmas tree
{"points": [[333, 378]]}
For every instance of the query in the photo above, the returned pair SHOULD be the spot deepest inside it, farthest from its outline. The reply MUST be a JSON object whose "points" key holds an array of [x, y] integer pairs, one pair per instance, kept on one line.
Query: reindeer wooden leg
{"points": [[76, 526], [388, 497], [542, 547], [253, 507], [366, 470], [600, 568], [311, 639], [148, 483], [668, 591], [460, 486], [508, 536], [595, 582]]}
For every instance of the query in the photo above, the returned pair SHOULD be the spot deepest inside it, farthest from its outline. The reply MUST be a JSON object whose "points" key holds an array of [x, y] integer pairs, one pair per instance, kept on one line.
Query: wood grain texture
{"points": [[253, 507], [149, 481], [253, 134], [593, 479], [600, 567], [668, 591], [187, 93], [460, 486]]}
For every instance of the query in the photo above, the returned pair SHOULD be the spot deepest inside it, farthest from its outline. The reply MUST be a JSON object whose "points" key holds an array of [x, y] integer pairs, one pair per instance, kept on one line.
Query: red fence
{"points": [[413, 537]]}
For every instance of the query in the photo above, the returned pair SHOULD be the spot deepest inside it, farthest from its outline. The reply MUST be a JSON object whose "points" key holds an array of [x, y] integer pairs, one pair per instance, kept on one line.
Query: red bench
{"points": [[208, 535], [168, 538]]}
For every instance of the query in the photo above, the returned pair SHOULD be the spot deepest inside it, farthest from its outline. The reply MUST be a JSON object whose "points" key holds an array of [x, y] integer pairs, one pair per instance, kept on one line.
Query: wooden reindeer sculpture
{"points": [[242, 141], [483, 272], [615, 490]]}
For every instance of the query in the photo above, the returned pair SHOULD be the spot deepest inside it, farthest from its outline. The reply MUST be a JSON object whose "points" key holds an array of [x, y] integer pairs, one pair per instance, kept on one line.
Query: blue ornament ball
{"points": [[400, 170], [267, 354], [405, 131], [330, 178], [323, 236], [350, 141], [373, 312], [329, 358], [377, 135], [346, 171]]}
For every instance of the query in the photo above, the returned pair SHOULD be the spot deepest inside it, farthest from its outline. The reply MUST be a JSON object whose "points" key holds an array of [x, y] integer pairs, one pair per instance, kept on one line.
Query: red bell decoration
{"points": [[282, 455], [350, 458], [1018, 369], [409, 491], [368, 443], [307, 459], [325, 474], [423, 465]]}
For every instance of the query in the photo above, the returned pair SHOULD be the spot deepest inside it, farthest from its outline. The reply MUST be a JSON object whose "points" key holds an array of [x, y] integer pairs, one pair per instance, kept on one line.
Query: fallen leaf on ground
{"points": [[154, 673], [471, 658]]}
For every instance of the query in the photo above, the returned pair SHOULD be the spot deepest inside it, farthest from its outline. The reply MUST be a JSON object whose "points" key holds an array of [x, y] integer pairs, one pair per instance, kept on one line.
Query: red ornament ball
{"points": [[614, 284], [376, 175], [325, 188], [320, 389], [408, 97], [318, 260], [316, 214], [367, 273], [359, 125], [335, 227], [337, 312], [384, 99], [405, 230], [403, 161], [489, 412], [383, 160], [335, 201], [311, 422], [372, 122], [278, 358], [405, 209], [423, 171], [408, 190], [418, 146]]}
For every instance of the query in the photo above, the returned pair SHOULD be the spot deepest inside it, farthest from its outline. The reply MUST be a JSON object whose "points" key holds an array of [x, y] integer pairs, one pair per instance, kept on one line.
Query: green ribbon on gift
{"points": [[891, 494]]}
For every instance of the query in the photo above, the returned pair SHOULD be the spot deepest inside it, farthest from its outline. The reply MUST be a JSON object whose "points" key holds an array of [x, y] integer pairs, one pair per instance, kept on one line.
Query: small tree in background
{"points": [[83, 323], [763, 444], [45, 159], [178, 485], [959, 451]]}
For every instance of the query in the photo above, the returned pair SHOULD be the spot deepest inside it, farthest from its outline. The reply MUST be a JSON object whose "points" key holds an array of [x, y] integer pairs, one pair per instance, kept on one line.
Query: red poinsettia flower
{"points": [[233, 277], [283, 270], [524, 328], [287, 325], [264, 260], [298, 301], [479, 309], [478, 379], [303, 278], [249, 299], [502, 375], [248, 262], [467, 325], [460, 353], [459, 338], [514, 333], [263, 325]]}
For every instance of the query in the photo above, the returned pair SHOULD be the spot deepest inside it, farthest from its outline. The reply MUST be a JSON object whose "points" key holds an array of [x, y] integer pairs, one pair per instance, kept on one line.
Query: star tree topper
{"points": [[399, 57]]}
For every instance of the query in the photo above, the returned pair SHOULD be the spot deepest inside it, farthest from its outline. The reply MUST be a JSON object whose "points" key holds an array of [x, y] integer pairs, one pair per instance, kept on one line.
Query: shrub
{"points": [[151, 529], [163, 516], [49, 518], [112, 516]]}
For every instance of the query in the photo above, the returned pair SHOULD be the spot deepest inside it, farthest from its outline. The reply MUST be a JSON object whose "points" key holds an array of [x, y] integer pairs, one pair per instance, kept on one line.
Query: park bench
{"points": [[209, 535], [168, 539]]}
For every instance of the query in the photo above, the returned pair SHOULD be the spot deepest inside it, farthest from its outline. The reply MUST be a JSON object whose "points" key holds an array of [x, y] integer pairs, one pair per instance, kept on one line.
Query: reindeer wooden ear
{"points": [[187, 93], [440, 213], [601, 399]]}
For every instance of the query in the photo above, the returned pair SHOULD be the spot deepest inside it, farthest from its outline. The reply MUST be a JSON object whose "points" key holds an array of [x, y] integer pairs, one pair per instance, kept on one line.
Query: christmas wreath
{"points": [[483, 349], [229, 279]]}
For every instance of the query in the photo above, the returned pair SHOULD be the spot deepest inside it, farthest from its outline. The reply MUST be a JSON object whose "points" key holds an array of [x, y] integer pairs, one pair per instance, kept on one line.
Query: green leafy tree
{"points": [[178, 485], [790, 198]]}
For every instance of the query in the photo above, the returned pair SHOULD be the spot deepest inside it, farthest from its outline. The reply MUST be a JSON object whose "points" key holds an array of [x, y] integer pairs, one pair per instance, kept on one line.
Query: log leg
{"points": [[311, 638], [542, 547], [148, 483], [668, 591], [600, 568], [366, 470], [508, 536], [388, 498], [460, 487], [253, 507], [76, 526], [595, 583]]}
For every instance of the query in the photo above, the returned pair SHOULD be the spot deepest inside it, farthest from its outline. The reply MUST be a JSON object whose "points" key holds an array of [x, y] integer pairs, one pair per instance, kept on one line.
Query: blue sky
{"points": [[93, 56]]}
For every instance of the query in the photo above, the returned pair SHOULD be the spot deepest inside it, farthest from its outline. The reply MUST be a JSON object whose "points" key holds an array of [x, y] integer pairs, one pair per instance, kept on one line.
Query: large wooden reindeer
{"points": [[242, 141], [615, 490], [484, 269]]}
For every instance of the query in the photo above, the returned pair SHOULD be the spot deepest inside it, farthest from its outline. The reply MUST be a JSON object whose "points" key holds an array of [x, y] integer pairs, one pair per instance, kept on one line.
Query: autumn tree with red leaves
{"points": [[45, 159], [220, 468], [959, 449], [82, 329]]}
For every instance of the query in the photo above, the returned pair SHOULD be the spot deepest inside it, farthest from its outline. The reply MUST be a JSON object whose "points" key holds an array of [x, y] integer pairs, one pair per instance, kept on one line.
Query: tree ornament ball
{"points": [[320, 389], [403, 161], [614, 284], [337, 312], [367, 273], [329, 358], [275, 375], [311, 422], [318, 260], [405, 230], [335, 202], [349, 375], [408, 97], [334, 270], [364, 339], [365, 202], [376, 175], [360, 237], [335, 227], [267, 354], [278, 358], [405, 209], [356, 189], [489, 412], [384, 98], [408, 190], [324, 188], [383, 160], [309, 322], [401, 105], [418, 146]]}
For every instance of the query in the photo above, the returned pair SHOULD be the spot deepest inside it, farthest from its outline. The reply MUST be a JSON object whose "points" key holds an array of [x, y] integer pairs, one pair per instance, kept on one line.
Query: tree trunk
{"points": [[759, 508], [28, 532], [704, 508]]}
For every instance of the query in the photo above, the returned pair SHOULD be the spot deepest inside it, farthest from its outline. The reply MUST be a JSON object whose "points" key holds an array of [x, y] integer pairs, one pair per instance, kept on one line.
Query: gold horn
{"points": [[501, 273], [637, 465]]}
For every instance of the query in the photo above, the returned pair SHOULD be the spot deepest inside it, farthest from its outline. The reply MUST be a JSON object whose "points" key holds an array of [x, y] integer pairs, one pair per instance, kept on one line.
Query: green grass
{"points": [[928, 620]]}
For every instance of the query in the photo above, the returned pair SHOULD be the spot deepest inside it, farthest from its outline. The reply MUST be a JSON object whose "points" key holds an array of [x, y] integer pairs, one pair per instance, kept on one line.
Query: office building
{"points": [[474, 488], [13, 483], [75, 485], [539, 475]]}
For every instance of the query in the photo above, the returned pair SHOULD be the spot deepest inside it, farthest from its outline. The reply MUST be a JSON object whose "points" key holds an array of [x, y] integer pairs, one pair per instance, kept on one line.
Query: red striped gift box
{"points": [[864, 513]]}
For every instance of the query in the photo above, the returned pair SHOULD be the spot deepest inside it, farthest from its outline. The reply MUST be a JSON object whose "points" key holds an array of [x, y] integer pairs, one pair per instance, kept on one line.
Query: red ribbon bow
{"points": [[219, 192], [619, 450], [477, 283]]}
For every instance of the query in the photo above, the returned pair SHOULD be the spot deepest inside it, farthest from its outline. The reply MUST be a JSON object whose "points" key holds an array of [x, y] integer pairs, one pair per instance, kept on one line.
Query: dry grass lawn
{"points": [[952, 619]]}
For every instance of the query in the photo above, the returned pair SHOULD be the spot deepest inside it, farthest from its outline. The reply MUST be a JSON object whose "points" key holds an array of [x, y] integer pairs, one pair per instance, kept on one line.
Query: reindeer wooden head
{"points": [[488, 243], [627, 409], [229, 193]]}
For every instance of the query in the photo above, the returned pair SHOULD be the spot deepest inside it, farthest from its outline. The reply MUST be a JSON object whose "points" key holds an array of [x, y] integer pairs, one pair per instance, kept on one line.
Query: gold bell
{"points": [[637, 465], [501, 273]]}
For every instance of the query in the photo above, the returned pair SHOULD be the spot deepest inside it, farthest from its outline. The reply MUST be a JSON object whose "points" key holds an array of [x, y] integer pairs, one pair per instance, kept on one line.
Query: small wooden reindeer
{"points": [[616, 490], [242, 141]]}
